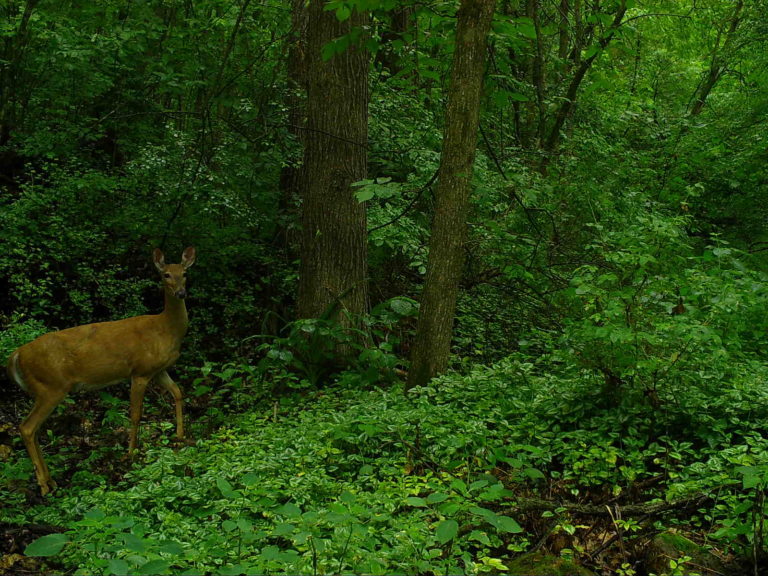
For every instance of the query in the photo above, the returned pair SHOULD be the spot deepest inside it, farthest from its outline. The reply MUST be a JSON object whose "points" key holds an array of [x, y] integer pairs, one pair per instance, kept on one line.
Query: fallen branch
{"points": [[525, 505]]}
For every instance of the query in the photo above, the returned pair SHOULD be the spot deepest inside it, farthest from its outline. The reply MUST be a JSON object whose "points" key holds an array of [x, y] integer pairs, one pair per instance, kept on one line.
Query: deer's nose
{"points": [[181, 294]]}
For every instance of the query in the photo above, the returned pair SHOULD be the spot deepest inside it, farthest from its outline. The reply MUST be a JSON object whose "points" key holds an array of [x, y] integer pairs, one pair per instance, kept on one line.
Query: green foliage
{"points": [[743, 526], [347, 479], [307, 356], [653, 310], [622, 271], [17, 333]]}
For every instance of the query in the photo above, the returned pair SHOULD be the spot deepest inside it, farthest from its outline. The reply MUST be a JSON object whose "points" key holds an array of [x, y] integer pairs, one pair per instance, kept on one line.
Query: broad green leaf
{"points": [[479, 536], [234, 570], [328, 51], [446, 531], [252, 479], [459, 485], [244, 524], [134, 543], [289, 510], [534, 474], [364, 194], [437, 497], [343, 12], [157, 566], [751, 476], [226, 489], [119, 567], [334, 47], [95, 514], [120, 522], [526, 27], [172, 548], [591, 51], [283, 529], [48, 545], [506, 524], [402, 306], [348, 497], [484, 512]]}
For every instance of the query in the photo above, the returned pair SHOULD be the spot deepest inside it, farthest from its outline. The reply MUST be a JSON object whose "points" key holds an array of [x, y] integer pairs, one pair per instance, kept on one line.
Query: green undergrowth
{"points": [[349, 480]]}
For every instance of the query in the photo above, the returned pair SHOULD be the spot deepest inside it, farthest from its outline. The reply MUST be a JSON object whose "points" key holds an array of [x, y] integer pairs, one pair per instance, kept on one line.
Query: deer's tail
{"points": [[14, 371]]}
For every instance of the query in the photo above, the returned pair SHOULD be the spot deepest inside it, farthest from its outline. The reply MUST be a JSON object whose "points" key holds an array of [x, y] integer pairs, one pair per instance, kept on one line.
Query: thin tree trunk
{"points": [[402, 20], [717, 64], [13, 50], [569, 101], [295, 102], [538, 71], [432, 345], [563, 30], [332, 281]]}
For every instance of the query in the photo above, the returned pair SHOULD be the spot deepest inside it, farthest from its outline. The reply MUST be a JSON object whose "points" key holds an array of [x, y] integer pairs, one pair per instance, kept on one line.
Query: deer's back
{"points": [[92, 356]]}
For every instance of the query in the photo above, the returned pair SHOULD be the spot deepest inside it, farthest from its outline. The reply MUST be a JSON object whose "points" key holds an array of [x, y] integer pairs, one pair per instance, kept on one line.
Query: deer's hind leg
{"points": [[29, 429], [138, 388]]}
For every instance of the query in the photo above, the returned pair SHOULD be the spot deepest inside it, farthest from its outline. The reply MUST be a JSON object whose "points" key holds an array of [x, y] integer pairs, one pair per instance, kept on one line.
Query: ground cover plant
{"points": [[460, 478]]}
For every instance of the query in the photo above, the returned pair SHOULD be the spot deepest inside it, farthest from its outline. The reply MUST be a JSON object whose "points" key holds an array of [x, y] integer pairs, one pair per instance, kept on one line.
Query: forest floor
{"points": [[478, 474]]}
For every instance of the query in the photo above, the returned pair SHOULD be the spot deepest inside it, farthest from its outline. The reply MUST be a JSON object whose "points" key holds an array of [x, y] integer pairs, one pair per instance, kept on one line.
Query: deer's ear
{"points": [[188, 257], [159, 259]]}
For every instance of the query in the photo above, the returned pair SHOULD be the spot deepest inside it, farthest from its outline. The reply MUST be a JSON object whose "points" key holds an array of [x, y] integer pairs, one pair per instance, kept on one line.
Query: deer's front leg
{"points": [[138, 388], [168, 384]]}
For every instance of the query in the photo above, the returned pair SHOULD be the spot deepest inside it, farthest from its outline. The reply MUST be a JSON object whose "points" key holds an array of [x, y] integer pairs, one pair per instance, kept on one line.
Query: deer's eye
{"points": [[166, 275]]}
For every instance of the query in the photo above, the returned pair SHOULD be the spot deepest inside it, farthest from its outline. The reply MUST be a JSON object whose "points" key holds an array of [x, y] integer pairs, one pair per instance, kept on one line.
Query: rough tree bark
{"points": [[432, 345], [332, 281]]}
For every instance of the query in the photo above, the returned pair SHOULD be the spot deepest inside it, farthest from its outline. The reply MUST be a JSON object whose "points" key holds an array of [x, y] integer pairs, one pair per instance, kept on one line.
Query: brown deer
{"points": [[92, 356]]}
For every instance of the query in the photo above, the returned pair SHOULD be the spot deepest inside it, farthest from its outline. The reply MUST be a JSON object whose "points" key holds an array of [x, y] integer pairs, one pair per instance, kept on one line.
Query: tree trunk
{"points": [[295, 102], [332, 281], [432, 345], [12, 51], [563, 30], [537, 75], [717, 63], [569, 101], [401, 22]]}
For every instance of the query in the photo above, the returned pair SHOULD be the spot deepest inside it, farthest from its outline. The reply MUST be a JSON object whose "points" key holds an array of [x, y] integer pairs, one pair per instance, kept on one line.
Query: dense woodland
{"points": [[480, 285]]}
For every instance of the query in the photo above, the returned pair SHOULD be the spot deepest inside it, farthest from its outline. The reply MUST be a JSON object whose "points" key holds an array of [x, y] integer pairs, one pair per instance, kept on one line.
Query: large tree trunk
{"points": [[332, 281], [432, 346]]}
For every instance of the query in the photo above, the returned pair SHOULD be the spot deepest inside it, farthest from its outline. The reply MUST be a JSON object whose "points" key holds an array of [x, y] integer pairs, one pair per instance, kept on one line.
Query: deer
{"points": [[92, 356]]}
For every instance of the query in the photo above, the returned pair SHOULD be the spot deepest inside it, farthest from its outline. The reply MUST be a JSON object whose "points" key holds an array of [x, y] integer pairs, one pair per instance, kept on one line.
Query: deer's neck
{"points": [[175, 315]]}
